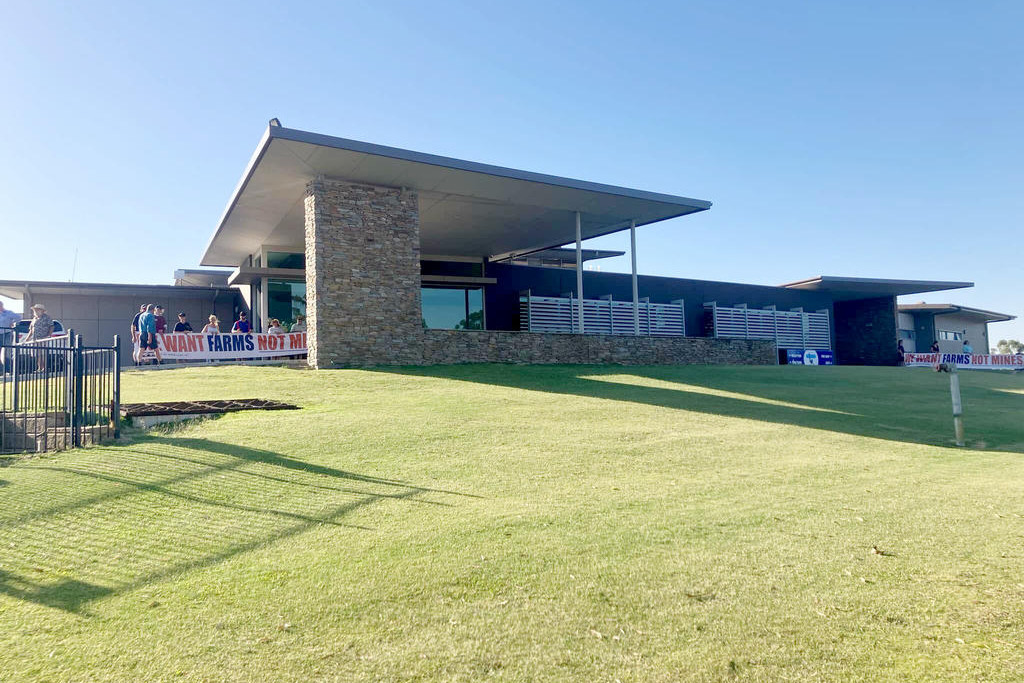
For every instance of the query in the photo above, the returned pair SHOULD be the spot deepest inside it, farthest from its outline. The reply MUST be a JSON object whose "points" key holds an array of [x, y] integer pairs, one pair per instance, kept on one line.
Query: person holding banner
{"points": [[242, 324], [161, 321], [183, 325]]}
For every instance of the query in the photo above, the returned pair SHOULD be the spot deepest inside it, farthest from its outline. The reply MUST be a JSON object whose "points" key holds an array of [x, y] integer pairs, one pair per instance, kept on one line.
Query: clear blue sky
{"points": [[860, 139]]}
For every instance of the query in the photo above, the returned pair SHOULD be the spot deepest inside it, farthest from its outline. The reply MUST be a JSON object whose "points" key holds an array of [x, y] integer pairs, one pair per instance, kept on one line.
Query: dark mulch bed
{"points": [[201, 407]]}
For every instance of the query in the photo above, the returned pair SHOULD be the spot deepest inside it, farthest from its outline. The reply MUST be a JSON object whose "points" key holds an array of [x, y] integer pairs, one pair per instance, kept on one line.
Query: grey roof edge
{"points": [[992, 316], [295, 135], [477, 167], [20, 285], [837, 280]]}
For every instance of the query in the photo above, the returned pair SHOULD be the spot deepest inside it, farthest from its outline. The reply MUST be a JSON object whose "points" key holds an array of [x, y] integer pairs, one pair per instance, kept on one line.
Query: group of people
{"points": [[150, 322]]}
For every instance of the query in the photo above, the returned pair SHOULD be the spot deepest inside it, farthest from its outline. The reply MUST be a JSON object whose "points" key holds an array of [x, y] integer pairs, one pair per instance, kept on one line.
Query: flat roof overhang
{"points": [[16, 289], [851, 288], [945, 309], [466, 208]]}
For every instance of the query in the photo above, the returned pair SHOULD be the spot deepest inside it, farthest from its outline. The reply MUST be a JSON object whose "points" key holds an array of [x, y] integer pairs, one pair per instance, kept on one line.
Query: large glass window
{"points": [[453, 308], [286, 299], [282, 259]]}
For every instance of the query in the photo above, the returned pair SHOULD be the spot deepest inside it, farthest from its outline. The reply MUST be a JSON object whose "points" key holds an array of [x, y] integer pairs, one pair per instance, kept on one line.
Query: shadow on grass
{"points": [[896, 404], [224, 486]]}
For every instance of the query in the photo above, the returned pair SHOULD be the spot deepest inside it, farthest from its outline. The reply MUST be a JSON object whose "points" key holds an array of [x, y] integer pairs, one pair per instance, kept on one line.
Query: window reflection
{"points": [[451, 308]]}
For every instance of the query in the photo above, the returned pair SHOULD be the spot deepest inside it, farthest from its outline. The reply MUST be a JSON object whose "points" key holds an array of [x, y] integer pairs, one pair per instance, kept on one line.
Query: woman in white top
{"points": [[275, 327], [212, 327]]}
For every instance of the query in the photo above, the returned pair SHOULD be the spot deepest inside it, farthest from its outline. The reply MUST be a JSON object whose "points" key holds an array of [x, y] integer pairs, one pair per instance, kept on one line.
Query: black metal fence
{"points": [[57, 393]]}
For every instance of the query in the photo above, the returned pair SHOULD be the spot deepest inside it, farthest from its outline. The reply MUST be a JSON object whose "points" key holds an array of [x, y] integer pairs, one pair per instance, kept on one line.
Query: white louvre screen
{"points": [[789, 329], [600, 316]]}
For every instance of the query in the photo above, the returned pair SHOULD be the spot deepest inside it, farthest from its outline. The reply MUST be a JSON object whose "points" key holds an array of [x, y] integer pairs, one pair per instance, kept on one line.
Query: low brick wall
{"points": [[445, 347]]}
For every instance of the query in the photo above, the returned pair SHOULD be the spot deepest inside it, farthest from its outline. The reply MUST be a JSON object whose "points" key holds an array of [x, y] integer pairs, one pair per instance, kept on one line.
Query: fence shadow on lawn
{"points": [[162, 507], [897, 404]]}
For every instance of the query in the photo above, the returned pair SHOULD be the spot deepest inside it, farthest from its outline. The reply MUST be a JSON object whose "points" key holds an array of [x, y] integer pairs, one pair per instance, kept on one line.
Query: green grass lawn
{"points": [[529, 523]]}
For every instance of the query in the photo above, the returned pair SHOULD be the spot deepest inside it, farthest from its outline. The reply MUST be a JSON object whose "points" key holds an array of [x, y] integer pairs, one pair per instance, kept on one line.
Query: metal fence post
{"points": [[16, 390], [116, 408], [76, 423]]}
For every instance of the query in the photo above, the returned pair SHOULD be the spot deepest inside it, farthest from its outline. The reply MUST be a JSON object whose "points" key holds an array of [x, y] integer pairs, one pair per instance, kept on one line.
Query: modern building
{"points": [[948, 324], [400, 257]]}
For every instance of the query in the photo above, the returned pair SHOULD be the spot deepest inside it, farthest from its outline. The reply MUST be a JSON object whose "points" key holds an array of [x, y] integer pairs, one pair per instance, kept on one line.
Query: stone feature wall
{"points": [[866, 331], [446, 347], [363, 299], [362, 275]]}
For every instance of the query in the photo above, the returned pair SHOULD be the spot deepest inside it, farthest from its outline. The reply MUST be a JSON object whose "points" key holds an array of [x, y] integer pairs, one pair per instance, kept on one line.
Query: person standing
{"points": [[8, 319], [935, 347], [213, 326], [41, 328], [967, 348], [161, 321], [300, 324], [242, 324], [183, 325], [901, 353], [135, 331], [147, 334]]}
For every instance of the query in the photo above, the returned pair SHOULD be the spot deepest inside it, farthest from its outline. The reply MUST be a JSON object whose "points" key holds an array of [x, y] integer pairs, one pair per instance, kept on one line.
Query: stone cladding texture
{"points": [[442, 347], [866, 331], [362, 275]]}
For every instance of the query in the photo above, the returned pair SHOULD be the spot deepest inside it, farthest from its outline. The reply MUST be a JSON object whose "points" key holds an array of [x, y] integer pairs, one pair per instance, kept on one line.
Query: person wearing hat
{"points": [[183, 325], [242, 324], [39, 329]]}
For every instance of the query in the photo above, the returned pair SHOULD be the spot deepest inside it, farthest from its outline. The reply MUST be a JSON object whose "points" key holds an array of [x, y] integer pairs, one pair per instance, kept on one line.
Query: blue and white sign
{"points": [[810, 357]]}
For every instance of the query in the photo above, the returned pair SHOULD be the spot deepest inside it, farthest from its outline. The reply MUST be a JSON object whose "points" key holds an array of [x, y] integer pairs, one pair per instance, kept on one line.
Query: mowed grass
{"points": [[528, 524]]}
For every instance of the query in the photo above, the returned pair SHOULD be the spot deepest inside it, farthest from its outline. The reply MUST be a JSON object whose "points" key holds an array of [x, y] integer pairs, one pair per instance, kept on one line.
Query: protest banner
{"points": [[983, 361], [192, 346]]}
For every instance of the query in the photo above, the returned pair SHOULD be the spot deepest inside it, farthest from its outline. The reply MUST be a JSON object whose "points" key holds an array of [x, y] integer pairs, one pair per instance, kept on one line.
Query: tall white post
{"points": [[636, 290], [958, 409], [579, 268]]}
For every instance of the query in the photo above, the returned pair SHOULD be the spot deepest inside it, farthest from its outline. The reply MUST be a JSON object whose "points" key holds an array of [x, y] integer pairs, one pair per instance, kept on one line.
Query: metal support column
{"points": [[579, 268], [636, 291]]}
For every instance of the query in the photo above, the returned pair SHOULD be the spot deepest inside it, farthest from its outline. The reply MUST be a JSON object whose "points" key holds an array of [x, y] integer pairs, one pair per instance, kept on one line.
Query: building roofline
{"points": [[990, 316], [686, 205], [14, 289]]}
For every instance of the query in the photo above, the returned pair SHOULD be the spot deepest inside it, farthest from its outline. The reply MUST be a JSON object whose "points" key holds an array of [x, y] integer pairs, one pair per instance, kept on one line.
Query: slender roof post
{"points": [[579, 268], [636, 290]]}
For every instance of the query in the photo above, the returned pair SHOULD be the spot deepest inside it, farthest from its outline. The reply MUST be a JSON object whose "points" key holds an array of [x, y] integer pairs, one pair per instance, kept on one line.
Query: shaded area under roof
{"points": [[201, 277], [849, 288], [942, 309], [564, 254], [466, 208]]}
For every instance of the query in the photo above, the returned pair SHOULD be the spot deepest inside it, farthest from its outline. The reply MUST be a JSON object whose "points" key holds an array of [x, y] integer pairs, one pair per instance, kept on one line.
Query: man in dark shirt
{"points": [[135, 322], [242, 324], [135, 329], [183, 324]]}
